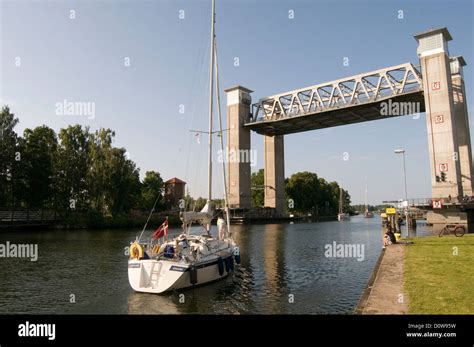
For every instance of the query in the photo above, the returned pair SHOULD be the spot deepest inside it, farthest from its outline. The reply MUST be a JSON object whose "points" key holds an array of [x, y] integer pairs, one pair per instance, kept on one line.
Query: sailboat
{"points": [[367, 213], [188, 260], [341, 216]]}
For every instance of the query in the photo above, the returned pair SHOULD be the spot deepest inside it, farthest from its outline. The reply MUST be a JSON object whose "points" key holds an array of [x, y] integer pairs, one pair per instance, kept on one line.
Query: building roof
{"points": [[461, 60], [175, 180], [447, 36], [238, 87]]}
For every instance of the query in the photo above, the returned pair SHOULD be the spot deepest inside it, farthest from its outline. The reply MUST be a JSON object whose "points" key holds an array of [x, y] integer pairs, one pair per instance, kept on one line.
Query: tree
{"points": [[257, 182], [199, 204], [8, 149], [311, 194], [73, 166], [151, 189], [123, 188], [303, 188], [38, 158], [98, 177]]}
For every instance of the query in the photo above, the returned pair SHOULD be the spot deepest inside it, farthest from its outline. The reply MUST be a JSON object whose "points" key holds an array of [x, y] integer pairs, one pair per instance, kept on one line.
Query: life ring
{"points": [[136, 251]]}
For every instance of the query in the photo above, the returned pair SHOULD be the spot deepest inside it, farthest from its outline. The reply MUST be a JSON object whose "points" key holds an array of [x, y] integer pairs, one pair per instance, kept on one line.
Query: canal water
{"points": [[285, 269]]}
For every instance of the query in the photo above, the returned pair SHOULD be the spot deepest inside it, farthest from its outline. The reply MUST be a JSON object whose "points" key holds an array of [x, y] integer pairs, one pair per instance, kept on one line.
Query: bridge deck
{"points": [[350, 100], [332, 118]]}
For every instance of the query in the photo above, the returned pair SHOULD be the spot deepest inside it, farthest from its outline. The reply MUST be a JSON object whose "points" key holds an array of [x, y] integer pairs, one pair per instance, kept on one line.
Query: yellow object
{"points": [[156, 248], [136, 251], [390, 210], [398, 236], [383, 215]]}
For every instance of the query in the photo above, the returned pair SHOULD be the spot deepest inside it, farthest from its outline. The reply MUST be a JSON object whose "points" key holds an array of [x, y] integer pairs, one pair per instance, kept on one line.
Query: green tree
{"points": [[98, 178], [38, 158], [151, 189], [8, 149], [72, 189], [304, 188], [123, 189], [257, 183], [199, 204]]}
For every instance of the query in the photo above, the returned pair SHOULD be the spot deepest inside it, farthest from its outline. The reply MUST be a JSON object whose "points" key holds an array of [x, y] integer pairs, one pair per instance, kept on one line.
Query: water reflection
{"points": [[143, 303], [277, 260]]}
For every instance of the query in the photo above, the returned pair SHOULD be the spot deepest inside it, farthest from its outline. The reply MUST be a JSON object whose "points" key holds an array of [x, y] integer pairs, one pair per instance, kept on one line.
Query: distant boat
{"points": [[341, 215], [367, 213]]}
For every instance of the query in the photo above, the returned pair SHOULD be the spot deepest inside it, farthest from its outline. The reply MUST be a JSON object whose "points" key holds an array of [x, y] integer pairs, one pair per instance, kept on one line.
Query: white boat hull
{"points": [[160, 276], [342, 217]]}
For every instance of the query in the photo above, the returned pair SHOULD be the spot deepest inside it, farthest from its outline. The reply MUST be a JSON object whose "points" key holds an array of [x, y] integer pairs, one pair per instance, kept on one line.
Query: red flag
{"points": [[161, 231]]}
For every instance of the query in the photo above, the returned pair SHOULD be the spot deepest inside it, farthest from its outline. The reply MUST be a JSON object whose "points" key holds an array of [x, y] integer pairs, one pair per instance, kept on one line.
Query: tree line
{"points": [[73, 170], [305, 193], [81, 170]]}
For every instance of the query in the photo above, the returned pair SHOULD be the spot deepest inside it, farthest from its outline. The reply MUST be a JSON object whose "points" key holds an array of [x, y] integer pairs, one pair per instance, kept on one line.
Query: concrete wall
{"points": [[238, 140], [274, 173], [440, 114], [462, 123]]}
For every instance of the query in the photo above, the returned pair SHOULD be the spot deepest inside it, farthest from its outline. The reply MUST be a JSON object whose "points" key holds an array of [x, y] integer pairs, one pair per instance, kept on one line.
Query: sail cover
{"points": [[203, 217]]}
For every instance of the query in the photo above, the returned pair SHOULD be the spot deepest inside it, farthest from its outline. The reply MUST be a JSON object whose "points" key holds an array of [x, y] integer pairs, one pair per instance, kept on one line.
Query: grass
{"points": [[438, 281]]}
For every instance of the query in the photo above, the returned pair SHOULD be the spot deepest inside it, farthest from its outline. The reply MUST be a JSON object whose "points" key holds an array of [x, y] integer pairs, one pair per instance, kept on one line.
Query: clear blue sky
{"points": [[83, 60]]}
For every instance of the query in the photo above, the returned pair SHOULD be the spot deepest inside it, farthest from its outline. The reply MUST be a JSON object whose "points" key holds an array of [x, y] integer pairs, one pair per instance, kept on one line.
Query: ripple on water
{"points": [[278, 262]]}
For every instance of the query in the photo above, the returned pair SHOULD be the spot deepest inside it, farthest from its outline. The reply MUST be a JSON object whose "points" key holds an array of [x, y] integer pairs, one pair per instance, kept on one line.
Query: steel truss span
{"points": [[403, 82]]}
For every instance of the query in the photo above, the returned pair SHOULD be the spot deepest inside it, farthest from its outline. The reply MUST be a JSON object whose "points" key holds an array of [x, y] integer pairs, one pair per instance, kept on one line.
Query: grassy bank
{"points": [[436, 279]]}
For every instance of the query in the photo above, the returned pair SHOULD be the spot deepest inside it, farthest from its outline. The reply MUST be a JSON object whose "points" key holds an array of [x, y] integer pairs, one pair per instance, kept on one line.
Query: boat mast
{"points": [[219, 115], [366, 199], [211, 89]]}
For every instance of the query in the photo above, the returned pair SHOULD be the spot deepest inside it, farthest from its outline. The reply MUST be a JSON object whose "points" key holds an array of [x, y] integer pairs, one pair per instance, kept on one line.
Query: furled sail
{"points": [[203, 217]]}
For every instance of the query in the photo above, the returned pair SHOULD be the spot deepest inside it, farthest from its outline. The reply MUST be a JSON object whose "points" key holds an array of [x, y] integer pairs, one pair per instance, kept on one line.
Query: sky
{"points": [[143, 65]]}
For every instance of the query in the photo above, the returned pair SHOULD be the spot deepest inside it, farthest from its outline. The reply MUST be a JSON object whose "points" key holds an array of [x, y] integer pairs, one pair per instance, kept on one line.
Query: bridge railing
{"points": [[449, 200], [27, 216], [420, 202], [355, 90]]}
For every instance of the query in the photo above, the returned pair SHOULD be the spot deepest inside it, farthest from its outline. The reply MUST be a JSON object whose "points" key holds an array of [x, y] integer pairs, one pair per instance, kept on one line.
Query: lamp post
{"points": [[402, 151]]}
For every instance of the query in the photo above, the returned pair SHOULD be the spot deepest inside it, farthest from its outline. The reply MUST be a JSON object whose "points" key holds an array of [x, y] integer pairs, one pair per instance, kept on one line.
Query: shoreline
{"points": [[124, 223], [359, 308], [385, 292]]}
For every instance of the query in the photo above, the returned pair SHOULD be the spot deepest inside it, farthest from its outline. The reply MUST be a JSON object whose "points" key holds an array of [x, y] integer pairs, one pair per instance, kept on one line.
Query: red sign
{"points": [[443, 167], [437, 203], [439, 119], [435, 85]]}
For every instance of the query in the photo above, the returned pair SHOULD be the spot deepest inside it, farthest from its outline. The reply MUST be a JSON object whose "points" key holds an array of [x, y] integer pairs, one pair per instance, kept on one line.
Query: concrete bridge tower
{"points": [[462, 123], [441, 116], [238, 141]]}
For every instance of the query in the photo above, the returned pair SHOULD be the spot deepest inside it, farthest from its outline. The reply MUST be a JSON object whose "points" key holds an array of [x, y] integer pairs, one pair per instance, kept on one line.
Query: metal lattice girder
{"points": [[363, 88]]}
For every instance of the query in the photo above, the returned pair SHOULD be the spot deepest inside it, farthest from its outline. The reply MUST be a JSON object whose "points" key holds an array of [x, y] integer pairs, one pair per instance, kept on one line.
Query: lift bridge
{"points": [[345, 101], [435, 87]]}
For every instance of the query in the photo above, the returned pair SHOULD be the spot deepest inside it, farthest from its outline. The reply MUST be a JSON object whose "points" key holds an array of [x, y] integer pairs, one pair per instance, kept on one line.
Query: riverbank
{"points": [[384, 293], [438, 275], [94, 222], [431, 275]]}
